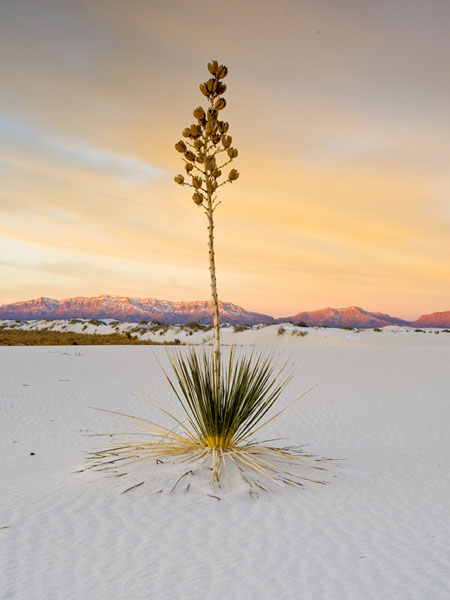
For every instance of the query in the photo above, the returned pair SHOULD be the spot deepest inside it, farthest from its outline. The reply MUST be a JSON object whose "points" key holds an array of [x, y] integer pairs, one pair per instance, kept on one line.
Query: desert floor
{"points": [[378, 530]]}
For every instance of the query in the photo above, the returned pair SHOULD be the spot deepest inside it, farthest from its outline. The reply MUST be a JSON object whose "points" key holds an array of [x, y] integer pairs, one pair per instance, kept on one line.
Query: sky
{"points": [[339, 110]]}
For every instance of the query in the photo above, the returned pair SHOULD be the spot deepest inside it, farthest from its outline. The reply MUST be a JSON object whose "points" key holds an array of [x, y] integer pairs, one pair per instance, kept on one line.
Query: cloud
{"points": [[23, 139]]}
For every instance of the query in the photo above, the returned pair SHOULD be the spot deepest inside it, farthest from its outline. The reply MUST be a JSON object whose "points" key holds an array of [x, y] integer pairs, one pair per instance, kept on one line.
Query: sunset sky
{"points": [[340, 110]]}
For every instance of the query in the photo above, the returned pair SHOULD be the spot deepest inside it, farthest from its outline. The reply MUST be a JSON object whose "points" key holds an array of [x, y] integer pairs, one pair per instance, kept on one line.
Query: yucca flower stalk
{"points": [[207, 143]]}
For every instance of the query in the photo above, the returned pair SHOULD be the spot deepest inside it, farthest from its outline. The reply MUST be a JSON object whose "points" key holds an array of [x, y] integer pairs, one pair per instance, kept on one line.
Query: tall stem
{"points": [[215, 301], [212, 268]]}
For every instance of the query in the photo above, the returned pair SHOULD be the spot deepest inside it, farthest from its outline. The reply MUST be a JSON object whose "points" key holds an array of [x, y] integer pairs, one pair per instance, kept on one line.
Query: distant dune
{"points": [[109, 332]]}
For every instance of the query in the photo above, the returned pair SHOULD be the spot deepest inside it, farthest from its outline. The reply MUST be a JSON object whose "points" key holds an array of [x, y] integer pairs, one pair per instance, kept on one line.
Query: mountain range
{"points": [[129, 309], [123, 308]]}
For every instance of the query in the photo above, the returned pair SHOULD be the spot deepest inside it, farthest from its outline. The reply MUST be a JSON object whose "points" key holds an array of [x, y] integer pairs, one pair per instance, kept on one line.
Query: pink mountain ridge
{"points": [[123, 308]]}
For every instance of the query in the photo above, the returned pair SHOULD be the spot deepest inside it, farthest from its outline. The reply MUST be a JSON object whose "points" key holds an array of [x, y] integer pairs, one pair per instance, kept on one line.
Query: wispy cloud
{"points": [[24, 139]]}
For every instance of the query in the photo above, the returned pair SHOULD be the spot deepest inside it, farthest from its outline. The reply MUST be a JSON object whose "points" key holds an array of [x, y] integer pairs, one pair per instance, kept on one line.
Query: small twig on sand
{"points": [[211, 496], [132, 487], [178, 481]]}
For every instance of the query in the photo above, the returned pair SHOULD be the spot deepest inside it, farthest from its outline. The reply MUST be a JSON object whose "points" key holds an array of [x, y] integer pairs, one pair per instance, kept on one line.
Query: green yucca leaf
{"points": [[249, 387]]}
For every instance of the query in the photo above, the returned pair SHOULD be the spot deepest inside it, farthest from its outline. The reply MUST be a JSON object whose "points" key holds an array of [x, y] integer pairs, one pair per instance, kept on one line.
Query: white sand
{"points": [[285, 335], [379, 530]]}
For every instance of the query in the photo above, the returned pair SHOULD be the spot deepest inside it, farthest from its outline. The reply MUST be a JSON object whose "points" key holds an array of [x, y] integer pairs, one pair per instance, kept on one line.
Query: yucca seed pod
{"points": [[187, 132], [212, 85], [232, 152], [196, 131], [190, 156], [210, 163], [199, 113], [233, 175], [226, 141], [211, 127], [220, 104], [198, 198], [221, 72], [204, 89], [211, 185], [188, 167], [213, 66], [223, 126], [221, 88], [198, 144], [200, 157], [180, 146], [216, 139], [197, 182], [209, 84], [216, 173], [179, 179], [212, 114]]}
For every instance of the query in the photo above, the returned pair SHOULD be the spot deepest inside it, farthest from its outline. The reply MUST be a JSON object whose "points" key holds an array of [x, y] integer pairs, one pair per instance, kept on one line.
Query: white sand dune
{"points": [[379, 530], [286, 334]]}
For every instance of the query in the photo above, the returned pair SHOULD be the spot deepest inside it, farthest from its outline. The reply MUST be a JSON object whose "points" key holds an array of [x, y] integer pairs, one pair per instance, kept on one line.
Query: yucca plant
{"points": [[219, 429], [224, 405]]}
